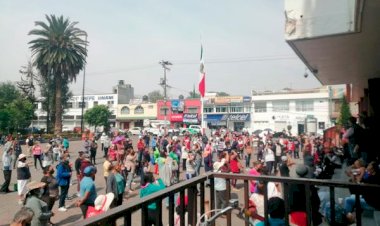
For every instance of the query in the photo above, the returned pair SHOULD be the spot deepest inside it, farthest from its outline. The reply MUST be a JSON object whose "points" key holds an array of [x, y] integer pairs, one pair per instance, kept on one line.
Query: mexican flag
{"points": [[202, 80]]}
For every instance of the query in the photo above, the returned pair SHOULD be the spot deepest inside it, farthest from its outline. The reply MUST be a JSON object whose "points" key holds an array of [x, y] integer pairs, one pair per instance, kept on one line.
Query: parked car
{"points": [[135, 131]]}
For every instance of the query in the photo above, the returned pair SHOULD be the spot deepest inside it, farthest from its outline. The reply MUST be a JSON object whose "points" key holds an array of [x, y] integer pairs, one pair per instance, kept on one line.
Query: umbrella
{"points": [[118, 139], [257, 132]]}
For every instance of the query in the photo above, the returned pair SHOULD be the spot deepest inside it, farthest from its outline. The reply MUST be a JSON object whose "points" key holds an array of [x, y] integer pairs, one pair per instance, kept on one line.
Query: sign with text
{"points": [[176, 117], [190, 118]]}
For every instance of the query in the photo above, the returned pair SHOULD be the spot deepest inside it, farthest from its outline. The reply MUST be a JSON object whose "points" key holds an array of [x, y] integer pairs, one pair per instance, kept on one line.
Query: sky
{"points": [[243, 42]]}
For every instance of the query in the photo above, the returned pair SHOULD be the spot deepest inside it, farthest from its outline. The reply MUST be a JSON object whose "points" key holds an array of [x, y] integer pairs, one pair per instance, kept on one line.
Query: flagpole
{"points": [[202, 117]]}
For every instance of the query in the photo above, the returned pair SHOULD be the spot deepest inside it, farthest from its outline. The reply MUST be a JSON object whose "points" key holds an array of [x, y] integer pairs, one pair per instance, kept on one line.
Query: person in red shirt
{"points": [[235, 167], [140, 151]]}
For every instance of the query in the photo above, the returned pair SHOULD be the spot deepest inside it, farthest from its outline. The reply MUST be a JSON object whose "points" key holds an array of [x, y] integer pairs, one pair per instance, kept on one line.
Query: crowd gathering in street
{"points": [[157, 162]]}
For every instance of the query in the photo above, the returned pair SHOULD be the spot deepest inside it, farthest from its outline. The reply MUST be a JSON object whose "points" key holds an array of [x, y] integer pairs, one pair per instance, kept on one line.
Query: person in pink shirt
{"points": [[255, 171]]}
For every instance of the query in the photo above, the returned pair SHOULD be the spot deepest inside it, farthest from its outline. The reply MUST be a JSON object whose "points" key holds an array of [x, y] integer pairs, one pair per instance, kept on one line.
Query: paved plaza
{"points": [[10, 205]]}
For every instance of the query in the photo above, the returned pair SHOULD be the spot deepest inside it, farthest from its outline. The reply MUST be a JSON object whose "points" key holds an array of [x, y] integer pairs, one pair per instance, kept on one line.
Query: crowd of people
{"points": [[156, 162]]}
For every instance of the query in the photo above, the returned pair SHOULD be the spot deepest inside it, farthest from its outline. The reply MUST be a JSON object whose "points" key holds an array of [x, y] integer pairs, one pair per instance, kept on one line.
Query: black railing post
{"points": [[191, 206], [202, 196], [246, 200], [212, 196], [228, 186], [286, 201], [266, 219], [159, 212], [308, 204], [171, 209], [358, 210], [144, 215], [332, 204], [128, 218], [182, 207]]}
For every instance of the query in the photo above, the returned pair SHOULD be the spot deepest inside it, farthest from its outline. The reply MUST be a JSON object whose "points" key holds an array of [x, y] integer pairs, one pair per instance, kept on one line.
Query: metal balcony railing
{"points": [[190, 188]]}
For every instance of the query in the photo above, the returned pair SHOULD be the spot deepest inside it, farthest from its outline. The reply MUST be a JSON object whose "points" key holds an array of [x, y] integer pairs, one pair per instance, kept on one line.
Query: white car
{"points": [[135, 131]]}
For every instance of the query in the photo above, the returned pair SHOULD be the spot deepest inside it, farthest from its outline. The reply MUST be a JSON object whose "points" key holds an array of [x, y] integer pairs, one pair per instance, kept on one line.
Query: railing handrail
{"points": [[135, 205]]}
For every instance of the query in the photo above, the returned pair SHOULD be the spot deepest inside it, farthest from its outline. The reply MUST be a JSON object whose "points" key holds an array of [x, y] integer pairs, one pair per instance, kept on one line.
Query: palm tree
{"points": [[60, 54]]}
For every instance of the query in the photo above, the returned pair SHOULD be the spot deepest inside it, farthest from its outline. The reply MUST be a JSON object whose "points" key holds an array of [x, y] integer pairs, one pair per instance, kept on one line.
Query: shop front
{"points": [[176, 120], [232, 121], [191, 119]]}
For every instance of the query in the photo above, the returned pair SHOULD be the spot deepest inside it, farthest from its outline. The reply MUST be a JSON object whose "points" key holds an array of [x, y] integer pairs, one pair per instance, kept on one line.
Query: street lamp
{"points": [[84, 80], [164, 84]]}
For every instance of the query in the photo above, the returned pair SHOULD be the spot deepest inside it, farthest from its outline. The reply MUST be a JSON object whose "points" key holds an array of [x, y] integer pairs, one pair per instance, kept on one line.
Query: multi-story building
{"points": [[179, 112], [72, 116], [232, 112], [296, 109], [134, 114]]}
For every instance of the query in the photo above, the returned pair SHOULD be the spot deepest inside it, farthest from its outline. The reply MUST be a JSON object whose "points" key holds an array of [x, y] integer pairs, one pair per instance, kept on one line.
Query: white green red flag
{"points": [[202, 81]]}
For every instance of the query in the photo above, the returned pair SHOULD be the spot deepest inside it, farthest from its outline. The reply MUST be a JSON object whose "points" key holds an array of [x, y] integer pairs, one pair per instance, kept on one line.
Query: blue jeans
{"points": [[198, 167], [62, 197], [349, 204]]}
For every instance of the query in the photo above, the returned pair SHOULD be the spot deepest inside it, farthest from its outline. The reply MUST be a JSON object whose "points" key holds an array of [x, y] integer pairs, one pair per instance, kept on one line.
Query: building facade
{"points": [[72, 115], [180, 113], [232, 112], [134, 114], [300, 111]]}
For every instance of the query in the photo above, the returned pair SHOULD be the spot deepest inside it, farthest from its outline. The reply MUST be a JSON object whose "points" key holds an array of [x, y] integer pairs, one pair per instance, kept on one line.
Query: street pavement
{"points": [[73, 214]]}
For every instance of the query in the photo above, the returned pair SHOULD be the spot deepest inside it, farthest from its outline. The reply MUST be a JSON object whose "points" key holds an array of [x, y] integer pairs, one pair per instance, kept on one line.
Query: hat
{"points": [[89, 170], [34, 185], [284, 158], [217, 166], [21, 156], [103, 202], [301, 170]]}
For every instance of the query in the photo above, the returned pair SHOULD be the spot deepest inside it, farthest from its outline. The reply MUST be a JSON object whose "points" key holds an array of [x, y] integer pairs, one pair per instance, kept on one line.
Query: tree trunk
{"points": [[58, 105]]}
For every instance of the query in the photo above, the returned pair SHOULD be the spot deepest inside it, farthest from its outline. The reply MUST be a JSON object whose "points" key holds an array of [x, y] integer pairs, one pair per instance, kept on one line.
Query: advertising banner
{"points": [[176, 117], [190, 118]]}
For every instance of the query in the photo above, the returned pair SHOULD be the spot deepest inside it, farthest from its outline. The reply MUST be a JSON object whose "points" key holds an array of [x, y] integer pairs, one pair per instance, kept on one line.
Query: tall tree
{"points": [[98, 116], [59, 53], [28, 80], [16, 111], [155, 95], [345, 112]]}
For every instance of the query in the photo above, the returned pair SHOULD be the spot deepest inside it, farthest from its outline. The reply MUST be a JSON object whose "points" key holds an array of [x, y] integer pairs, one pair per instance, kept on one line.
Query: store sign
{"points": [[190, 118], [247, 99], [228, 99], [236, 117], [176, 117], [243, 117], [177, 105]]}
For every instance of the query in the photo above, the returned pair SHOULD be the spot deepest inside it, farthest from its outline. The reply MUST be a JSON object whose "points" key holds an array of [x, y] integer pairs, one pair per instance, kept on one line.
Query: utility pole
{"points": [[164, 85], [84, 80]]}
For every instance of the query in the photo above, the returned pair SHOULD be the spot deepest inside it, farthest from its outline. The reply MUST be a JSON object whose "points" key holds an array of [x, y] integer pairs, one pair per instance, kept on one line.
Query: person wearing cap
{"points": [[23, 176], [297, 197], [7, 168], [63, 178], [87, 190], [40, 208]]}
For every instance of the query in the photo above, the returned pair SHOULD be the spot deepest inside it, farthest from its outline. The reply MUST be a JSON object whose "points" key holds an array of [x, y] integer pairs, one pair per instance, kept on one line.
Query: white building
{"points": [[72, 115], [280, 110]]}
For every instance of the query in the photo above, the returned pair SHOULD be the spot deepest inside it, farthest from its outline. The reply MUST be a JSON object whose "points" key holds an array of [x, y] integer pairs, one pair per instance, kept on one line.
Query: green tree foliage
{"points": [[155, 95], [345, 113], [59, 51], [16, 111], [98, 116]]}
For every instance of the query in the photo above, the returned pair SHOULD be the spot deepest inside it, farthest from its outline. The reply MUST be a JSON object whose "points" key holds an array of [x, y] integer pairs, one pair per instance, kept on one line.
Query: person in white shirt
{"points": [[269, 158]]}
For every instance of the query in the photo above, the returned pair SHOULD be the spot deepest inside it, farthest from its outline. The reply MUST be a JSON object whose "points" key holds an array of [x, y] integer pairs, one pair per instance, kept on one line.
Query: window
{"points": [[42, 117], [124, 110], [96, 103], [80, 104], [221, 109], [236, 109], [78, 117], [192, 110], [306, 105], [260, 106], [110, 103], [68, 117], [112, 117], [208, 109], [150, 106], [280, 106], [138, 110], [164, 110], [69, 104]]}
